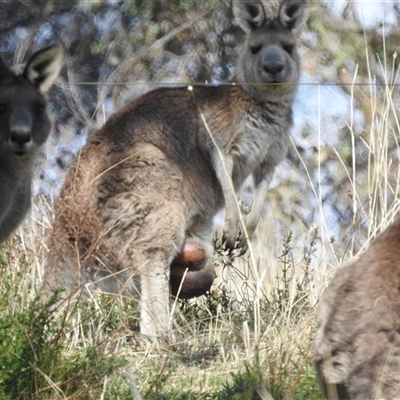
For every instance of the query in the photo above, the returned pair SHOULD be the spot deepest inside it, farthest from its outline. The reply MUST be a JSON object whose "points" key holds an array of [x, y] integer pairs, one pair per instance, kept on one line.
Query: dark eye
{"points": [[39, 109], [255, 49], [288, 48], [3, 108]]}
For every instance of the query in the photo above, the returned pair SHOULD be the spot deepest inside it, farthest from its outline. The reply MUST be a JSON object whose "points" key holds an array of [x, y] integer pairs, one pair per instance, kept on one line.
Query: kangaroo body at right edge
{"points": [[150, 181], [357, 341]]}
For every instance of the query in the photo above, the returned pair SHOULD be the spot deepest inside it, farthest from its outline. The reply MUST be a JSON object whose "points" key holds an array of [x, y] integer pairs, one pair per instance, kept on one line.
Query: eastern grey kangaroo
{"points": [[24, 127], [147, 185], [357, 343]]}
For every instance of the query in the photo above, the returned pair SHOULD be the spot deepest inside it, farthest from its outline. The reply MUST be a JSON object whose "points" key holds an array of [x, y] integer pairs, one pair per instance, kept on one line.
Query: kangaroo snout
{"points": [[20, 140], [273, 67]]}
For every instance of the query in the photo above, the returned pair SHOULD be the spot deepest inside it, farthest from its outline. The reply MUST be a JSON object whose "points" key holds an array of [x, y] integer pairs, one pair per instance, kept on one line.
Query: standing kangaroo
{"points": [[24, 127], [147, 185], [357, 343]]}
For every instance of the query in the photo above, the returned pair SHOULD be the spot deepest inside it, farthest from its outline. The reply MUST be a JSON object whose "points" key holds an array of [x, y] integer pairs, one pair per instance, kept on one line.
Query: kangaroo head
{"points": [[24, 123], [269, 65]]}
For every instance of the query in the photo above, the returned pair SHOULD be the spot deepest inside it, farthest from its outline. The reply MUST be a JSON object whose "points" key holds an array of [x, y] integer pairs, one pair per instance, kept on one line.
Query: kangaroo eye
{"points": [[288, 48], [3, 108], [255, 49]]}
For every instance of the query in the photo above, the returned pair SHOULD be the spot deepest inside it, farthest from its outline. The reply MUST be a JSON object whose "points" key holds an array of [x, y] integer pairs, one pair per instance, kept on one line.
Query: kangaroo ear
{"points": [[249, 15], [44, 66], [293, 14], [5, 71]]}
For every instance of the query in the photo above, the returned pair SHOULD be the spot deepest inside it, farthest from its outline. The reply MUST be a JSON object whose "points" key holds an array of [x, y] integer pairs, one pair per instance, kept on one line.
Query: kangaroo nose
{"points": [[20, 139], [273, 66], [273, 63], [21, 134]]}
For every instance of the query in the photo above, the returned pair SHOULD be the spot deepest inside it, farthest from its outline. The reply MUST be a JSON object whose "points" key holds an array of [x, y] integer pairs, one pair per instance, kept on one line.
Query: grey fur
{"points": [[357, 342], [24, 127], [159, 170]]}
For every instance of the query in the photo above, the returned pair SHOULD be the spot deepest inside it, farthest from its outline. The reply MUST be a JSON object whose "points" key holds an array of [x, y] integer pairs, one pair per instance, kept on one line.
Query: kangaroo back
{"points": [[24, 127], [138, 205], [357, 342]]}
